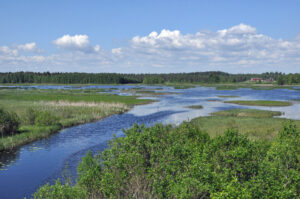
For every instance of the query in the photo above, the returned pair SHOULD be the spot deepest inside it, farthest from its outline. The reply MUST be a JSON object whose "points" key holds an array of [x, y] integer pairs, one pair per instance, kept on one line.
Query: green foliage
{"points": [[9, 122], [183, 162], [115, 78], [89, 177], [195, 107], [280, 80], [153, 80], [30, 115], [60, 191], [46, 118]]}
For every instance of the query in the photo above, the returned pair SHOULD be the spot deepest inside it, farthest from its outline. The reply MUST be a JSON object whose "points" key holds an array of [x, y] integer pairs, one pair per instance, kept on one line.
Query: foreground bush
{"points": [[183, 162], [9, 123]]}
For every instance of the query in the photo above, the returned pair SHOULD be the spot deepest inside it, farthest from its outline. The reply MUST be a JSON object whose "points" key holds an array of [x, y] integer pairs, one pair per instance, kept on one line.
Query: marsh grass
{"points": [[195, 107], [260, 102], [71, 107], [26, 135], [256, 128], [247, 113], [68, 95]]}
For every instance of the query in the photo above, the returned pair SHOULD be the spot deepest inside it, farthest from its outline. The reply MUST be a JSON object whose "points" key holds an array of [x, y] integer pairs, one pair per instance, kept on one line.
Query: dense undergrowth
{"points": [[184, 162]]}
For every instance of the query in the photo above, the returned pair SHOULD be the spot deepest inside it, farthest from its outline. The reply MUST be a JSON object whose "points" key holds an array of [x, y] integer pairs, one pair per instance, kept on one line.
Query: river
{"points": [[45, 160]]}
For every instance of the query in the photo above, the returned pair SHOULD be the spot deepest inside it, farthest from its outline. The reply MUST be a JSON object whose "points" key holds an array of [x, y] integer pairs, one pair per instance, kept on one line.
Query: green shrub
{"points": [[9, 123], [183, 162], [59, 190], [31, 116], [46, 119]]}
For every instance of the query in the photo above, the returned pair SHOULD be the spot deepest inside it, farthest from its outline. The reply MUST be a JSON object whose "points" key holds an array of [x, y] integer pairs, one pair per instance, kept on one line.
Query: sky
{"points": [[150, 36]]}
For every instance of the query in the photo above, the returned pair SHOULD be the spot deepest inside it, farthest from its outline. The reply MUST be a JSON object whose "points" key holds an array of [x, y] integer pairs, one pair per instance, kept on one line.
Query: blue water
{"points": [[45, 160]]}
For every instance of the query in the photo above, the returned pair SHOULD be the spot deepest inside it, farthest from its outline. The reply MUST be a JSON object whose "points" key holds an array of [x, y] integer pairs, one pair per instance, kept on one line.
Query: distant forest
{"points": [[117, 78]]}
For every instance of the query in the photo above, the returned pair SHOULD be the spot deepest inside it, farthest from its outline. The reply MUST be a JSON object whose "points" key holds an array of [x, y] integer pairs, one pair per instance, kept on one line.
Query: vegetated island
{"points": [[195, 107], [259, 102], [228, 96], [27, 115], [256, 157]]}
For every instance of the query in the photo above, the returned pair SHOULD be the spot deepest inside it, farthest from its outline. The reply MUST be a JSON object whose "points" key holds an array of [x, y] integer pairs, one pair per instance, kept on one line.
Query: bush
{"points": [[59, 190], [45, 119], [31, 115], [162, 162], [9, 123]]}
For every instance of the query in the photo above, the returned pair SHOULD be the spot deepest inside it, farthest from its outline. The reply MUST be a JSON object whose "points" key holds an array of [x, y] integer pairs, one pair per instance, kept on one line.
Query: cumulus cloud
{"points": [[77, 43], [116, 51], [5, 50], [241, 48], [20, 57], [29, 47], [239, 45]]}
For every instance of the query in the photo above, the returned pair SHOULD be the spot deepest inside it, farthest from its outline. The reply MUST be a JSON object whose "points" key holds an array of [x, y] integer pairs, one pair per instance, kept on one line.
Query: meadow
{"points": [[256, 124], [44, 112]]}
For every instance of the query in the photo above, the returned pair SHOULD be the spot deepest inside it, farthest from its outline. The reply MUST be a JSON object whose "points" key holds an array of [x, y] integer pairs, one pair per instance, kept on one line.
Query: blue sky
{"points": [[116, 36]]}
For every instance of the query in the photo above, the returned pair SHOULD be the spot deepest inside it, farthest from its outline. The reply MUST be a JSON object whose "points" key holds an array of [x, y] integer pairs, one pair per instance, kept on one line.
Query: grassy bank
{"points": [[65, 107], [256, 124], [247, 113], [259, 102]]}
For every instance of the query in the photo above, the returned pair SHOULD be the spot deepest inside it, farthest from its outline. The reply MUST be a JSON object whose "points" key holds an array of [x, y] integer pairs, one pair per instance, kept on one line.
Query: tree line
{"points": [[118, 78]]}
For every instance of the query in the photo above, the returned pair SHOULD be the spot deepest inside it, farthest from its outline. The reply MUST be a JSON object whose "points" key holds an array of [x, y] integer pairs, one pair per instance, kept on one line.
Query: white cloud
{"points": [[239, 29], [240, 48], [5, 50], [205, 50], [97, 48], [29, 47], [76, 43], [117, 51]]}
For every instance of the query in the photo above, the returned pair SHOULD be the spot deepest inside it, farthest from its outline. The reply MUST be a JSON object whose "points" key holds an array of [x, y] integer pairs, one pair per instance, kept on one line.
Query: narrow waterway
{"points": [[45, 160]]}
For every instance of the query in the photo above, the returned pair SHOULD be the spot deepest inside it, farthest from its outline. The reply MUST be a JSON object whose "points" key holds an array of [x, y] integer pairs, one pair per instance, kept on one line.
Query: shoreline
{"points": [[54, 130], [176, 85]]}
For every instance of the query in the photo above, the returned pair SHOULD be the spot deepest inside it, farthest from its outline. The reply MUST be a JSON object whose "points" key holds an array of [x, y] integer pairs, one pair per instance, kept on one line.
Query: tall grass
{"points": [[256, 128], [247, 113], [64, 108], [260, 102]]}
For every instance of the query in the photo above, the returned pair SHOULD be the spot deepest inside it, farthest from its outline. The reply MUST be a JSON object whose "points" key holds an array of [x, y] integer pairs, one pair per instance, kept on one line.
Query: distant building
{"points": [[256, 79]]}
